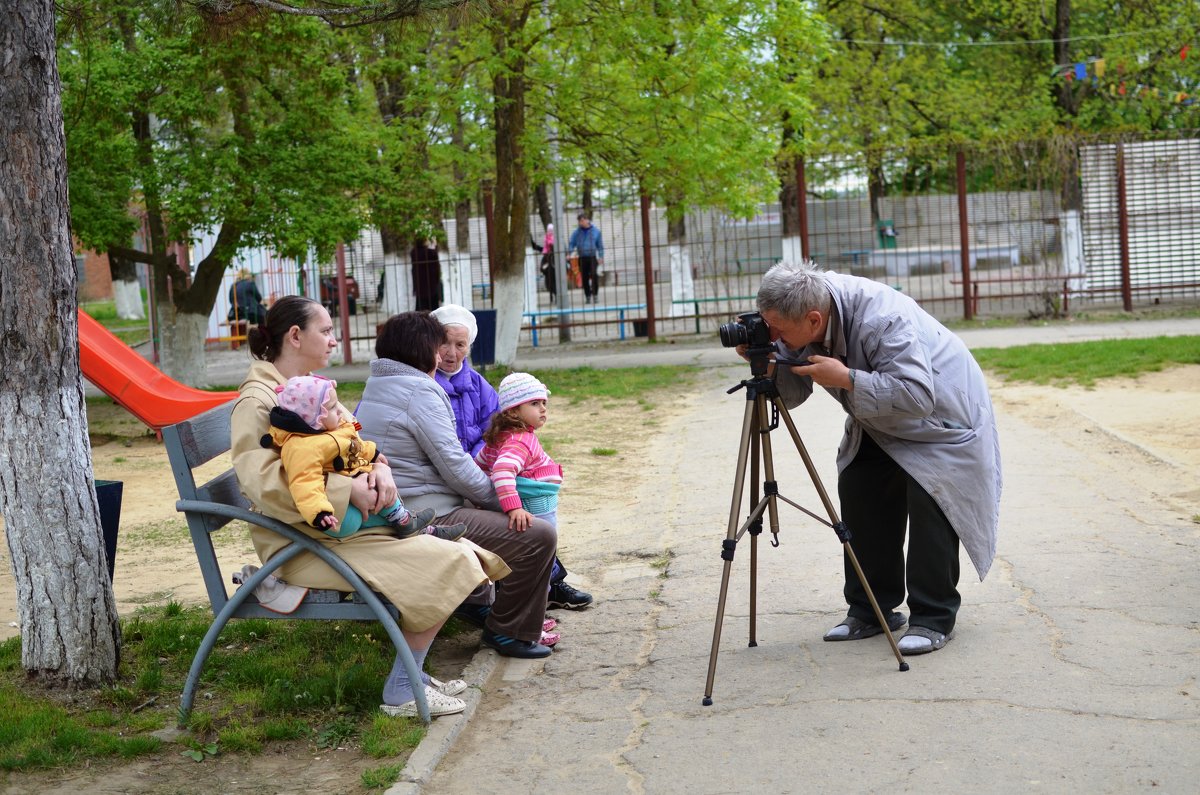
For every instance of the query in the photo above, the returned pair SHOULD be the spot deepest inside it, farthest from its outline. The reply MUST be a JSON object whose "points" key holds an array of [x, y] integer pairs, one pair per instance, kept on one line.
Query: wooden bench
{"points": [[212, 505]]}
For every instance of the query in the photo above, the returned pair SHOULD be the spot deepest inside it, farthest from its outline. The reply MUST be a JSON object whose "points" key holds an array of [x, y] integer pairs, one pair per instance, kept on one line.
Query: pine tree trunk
{"points": [[68, 618]]}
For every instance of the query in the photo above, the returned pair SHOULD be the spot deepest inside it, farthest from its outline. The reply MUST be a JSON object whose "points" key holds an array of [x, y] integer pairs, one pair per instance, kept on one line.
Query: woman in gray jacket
{"points": [[406, 413]]}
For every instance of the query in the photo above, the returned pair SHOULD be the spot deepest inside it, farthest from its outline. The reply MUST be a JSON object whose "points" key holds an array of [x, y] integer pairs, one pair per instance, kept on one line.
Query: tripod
{"points": [[756, 445]]}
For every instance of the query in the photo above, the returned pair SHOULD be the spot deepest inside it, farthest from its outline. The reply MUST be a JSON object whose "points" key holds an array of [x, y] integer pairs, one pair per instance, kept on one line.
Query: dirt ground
{"points": [[1151, 424]]}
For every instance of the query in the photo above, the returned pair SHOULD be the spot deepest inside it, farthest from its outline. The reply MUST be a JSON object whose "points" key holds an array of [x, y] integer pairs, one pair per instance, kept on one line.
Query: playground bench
{"points": [[583, 310], [210, 506], [1065, 278]]}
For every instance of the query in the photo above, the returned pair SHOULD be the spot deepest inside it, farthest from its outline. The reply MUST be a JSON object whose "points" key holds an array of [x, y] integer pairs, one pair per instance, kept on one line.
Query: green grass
{"points": [[266, 681], [381, 777], [1084, 363], [628, 383], [603, 451]]}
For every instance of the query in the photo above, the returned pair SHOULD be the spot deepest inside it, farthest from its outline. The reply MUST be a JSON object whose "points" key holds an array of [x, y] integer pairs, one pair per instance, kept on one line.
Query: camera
{"points": [[752, 331], [749, 329]]}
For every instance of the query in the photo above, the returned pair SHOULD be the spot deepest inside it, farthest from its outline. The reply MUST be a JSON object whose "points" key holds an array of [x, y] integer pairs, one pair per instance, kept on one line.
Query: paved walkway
{"points": [[1074, 668]]}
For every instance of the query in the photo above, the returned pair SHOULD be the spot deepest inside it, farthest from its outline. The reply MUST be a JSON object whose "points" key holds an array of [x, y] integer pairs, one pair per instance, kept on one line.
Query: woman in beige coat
{"points": [[423, 576]]}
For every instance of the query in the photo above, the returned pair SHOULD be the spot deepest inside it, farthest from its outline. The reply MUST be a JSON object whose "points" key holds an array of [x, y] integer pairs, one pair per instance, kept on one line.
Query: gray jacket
{"points": [[921, 396], [408, 416]]}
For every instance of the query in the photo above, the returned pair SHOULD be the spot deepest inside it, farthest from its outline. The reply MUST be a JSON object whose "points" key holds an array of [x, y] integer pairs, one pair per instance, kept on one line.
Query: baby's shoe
{"points": [[549, 624], [415, 523], [449, 532], [549, 639]]}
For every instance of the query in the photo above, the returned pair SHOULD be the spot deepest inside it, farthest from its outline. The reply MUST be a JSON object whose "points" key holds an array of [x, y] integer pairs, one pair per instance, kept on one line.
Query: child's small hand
{"points": [[519, 519], [329, 522]]}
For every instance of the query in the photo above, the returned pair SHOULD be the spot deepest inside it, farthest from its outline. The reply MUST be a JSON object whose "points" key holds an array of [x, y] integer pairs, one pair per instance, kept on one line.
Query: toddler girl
{"points": [[527, 480], [315, 438]]}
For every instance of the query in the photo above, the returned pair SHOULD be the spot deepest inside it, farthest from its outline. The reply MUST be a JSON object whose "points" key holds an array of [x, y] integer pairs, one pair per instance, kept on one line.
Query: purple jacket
{"points": [[474, 401]]}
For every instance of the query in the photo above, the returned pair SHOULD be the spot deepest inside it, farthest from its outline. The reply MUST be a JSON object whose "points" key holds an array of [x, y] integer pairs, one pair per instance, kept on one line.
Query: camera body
{"points": [[752, 331], [749, 329]]}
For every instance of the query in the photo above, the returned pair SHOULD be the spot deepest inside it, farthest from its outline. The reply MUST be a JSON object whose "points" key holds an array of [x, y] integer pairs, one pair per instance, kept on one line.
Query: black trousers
{"points": [[591, 282], [878, 500], [551, 278]]}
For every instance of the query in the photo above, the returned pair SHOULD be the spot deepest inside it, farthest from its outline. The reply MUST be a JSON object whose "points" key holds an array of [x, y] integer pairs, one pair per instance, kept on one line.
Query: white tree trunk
{"points": [[127, 295], [456, 279], [683, 287], [181, 352], [510, 298], [68, 618], [792, 250]]}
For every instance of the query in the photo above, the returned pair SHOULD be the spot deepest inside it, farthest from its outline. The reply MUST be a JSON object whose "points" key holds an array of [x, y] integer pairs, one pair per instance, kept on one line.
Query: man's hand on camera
{"points": [[826, 371]]}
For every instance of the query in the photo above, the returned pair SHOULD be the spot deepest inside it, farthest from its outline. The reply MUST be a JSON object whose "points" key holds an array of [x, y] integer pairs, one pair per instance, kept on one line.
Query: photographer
{"points": [[920, 448]]}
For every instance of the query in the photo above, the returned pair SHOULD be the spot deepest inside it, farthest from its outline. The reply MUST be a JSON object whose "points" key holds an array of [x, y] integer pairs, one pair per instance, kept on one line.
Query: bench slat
{"points": [[206, 436]]}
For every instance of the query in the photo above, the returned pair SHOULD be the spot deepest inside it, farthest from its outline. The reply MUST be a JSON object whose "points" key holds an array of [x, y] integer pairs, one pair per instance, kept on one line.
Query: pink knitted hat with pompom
{"points": [[305, 395]]}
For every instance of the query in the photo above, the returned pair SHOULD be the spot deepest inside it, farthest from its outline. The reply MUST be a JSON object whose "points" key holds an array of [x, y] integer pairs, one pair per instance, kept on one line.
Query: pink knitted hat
{"points": [[518, 388], [305, 395]]}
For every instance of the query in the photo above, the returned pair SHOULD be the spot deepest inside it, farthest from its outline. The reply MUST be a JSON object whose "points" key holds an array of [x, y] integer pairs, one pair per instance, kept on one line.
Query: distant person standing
{"points": [[588, 243], [245, 301], [547, 266], [426, 276]]}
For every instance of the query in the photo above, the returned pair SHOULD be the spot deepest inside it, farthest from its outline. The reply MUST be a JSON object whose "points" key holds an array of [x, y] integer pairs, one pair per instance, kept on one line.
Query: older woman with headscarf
{"points": [[473, 399]]}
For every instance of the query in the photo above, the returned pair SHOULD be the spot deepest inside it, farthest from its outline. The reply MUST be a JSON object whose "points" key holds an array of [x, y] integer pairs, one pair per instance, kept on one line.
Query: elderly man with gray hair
{"points": [[921, 448]]}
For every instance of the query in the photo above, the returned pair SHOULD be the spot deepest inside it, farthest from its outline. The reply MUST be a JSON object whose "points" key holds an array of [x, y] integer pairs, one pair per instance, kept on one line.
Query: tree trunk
{"points": [[1067, 96], [182, 338], [127, 292], [511, 192], [462, 209], [587, 196], [541, 198], [65, 605]]}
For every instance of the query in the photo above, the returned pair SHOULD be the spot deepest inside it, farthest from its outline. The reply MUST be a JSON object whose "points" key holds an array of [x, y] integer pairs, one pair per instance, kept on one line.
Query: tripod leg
{"points": [[728, 546], [755, 530], [838, 526]]}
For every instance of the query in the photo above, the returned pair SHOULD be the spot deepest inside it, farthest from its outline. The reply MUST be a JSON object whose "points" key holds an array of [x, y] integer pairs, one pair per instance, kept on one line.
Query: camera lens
{"points": [[733, 334]]}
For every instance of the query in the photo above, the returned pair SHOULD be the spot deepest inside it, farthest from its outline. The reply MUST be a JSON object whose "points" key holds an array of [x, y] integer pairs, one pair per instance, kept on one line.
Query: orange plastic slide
{"points": [[137, 385]]}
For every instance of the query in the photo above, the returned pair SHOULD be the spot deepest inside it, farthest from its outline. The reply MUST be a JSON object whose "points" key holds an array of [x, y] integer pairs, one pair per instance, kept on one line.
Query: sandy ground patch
{"points": [[1155, 418]]}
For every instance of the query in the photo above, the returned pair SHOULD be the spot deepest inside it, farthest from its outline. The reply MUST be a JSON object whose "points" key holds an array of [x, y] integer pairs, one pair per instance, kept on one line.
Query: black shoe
{"points": [[511, 647], [564, 597], [475, 615]]}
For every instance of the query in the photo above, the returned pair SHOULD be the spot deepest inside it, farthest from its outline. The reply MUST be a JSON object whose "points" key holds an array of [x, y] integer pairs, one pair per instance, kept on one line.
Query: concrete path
{"points": [[1074, 668]]}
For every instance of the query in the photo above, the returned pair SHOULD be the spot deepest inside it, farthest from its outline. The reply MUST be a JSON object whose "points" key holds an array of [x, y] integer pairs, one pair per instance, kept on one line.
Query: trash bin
{"points": [[887, 233], [108, 497], [483, 350], [641, 328]]}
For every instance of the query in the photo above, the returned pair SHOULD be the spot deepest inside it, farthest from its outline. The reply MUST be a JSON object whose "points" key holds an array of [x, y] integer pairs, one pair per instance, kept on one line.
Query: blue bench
{"points": [[584, 310]]}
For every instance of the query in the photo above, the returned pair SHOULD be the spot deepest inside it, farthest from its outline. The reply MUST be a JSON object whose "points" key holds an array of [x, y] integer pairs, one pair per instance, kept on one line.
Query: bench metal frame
{"points": [[214, 504]]}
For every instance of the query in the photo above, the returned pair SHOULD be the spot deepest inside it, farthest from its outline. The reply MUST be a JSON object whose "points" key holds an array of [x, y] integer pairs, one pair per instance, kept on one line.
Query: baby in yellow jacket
{"points": [[315, 438]]}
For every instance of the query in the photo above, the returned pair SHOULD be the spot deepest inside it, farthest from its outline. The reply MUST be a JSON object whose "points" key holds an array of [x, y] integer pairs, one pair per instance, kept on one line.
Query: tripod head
{"points": [[755, 385]]}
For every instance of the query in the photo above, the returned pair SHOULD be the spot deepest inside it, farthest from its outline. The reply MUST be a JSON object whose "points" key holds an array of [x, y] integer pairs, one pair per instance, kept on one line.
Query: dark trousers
{"points": [[551, 277], [878, 499], [591, 282], [520, 606]]}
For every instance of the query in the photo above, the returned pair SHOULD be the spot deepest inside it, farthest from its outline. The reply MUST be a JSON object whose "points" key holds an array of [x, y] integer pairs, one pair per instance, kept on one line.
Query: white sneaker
{"points": [[451, 688], [439, 704]]}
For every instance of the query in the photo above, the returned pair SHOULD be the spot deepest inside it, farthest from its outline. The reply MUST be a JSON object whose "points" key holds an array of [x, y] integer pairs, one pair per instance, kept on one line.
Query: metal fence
{"points": [[1028, 229]]}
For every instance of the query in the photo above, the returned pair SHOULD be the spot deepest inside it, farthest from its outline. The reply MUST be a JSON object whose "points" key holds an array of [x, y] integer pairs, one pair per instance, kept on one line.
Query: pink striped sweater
{"points": [[518, 455]]}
